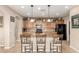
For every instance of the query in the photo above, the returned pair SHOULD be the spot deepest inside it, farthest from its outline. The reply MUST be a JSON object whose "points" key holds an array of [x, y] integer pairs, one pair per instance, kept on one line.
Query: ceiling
{"points": [[42, 10]]}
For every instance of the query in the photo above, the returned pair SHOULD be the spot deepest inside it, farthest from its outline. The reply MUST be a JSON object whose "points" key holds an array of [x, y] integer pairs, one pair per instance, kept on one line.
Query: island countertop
{"points": [[49, 34]]}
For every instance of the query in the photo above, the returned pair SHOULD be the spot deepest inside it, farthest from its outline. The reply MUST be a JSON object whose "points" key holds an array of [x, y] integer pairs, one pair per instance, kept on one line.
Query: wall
{"points": [[1, 32], [15, 30], [74, 32], [19, 26], [8, 30], [66, 21]]}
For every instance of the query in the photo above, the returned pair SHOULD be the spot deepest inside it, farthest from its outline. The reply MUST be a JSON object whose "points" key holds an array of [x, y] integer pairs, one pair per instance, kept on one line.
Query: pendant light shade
{"points": [[49, 20], [32, 20]]}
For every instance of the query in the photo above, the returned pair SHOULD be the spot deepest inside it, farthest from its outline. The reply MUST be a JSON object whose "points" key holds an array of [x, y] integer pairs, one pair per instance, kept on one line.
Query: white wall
{"points": [[7, 32], [74, 32]]}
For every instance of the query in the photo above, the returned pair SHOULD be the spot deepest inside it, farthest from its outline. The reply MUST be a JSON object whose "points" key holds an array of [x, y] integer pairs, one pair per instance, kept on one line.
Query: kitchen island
{"points": [[49, 37]]}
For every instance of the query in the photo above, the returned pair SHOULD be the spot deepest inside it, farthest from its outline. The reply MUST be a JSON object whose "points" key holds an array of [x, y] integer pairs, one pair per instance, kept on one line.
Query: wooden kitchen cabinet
{"points": [[47, 26]]}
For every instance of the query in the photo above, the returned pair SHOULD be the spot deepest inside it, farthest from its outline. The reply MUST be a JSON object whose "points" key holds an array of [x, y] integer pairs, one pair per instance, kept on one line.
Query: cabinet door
{"points": [[53, 25], [48, 25]]}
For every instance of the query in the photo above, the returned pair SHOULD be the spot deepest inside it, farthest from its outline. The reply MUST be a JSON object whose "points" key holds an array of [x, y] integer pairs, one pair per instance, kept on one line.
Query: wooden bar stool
{"points": [[41, 42], [56, 44], [26, 43]]}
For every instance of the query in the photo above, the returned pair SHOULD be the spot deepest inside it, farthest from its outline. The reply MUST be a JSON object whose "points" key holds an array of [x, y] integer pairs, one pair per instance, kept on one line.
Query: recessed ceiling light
{"points": [[66, 7], [39, 8], [22, 7]]}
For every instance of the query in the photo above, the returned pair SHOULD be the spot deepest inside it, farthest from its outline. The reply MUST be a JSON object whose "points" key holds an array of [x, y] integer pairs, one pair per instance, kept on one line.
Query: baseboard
{"points": [[74, 48]]}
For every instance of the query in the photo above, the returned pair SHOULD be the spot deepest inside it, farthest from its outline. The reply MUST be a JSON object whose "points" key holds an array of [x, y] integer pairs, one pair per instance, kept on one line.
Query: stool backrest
{"points": [[25, 38], [41, 38]]}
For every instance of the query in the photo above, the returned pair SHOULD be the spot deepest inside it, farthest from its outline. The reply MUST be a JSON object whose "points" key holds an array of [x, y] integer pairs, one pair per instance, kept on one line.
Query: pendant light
{"points": [[48, 14], [32, 20]]}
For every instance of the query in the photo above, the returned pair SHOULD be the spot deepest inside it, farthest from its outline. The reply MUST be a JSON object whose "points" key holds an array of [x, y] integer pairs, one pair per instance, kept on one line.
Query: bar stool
{"points": [[41, 42], [26, 43], [56, 44]]}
